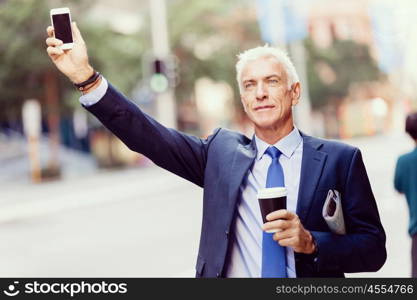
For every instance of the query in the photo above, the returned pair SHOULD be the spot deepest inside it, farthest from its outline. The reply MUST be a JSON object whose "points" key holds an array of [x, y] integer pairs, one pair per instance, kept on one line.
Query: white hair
{"points": [[265, 51]]}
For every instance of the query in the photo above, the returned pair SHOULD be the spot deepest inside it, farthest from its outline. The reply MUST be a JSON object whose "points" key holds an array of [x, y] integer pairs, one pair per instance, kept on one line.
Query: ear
{"points": [[295, 93], [243, 102]]}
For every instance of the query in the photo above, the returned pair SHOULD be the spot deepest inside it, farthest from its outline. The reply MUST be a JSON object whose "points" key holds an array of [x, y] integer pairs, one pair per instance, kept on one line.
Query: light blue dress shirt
{"points": [[246, 252], [95, 95]]}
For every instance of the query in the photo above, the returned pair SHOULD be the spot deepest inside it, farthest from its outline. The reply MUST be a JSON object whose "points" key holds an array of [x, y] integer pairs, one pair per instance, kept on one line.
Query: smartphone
{"points": [[61, 21]]}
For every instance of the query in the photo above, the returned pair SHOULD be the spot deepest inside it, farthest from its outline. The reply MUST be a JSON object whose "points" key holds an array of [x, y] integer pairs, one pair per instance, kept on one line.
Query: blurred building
{"points": [[344, 20], [370, 107]]}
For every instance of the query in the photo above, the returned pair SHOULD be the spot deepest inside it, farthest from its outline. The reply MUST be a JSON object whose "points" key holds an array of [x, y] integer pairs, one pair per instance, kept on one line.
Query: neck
{"points": [[273, 134]]}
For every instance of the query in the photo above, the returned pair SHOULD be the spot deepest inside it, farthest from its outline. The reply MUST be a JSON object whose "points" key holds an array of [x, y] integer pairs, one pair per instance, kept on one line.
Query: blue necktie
{"points": [[273, 255]]}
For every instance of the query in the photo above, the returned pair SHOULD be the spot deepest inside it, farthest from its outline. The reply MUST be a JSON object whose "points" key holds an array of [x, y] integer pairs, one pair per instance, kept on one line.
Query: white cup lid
{"points": [[275, 192]]}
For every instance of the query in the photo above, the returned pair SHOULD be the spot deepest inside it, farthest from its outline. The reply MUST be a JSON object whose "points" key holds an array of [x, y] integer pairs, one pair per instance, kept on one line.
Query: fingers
{"points": [[280, 214], [289, 242], [276, 225], [53, 42], [300, 240], [76, 33], [54, 52], [50, 31], [282, 235]]}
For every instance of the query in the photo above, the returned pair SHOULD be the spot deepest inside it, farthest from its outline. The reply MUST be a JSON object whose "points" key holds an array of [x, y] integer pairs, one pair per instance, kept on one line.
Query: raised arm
{"points": [[177, 152]]}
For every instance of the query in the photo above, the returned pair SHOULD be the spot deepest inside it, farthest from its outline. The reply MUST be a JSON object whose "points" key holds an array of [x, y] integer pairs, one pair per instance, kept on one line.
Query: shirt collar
{"points": [[286, 145]]}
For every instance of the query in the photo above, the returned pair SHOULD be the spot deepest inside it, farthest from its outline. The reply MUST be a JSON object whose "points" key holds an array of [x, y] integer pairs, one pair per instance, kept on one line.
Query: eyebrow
{"points": [[273, 75], [248, 80], [266, 77]]}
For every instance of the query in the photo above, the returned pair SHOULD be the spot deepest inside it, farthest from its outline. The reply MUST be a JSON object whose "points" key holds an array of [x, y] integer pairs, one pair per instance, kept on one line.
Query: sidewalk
{"points": [[15, 166], [380, 154], [130, 223], [113, 223]]}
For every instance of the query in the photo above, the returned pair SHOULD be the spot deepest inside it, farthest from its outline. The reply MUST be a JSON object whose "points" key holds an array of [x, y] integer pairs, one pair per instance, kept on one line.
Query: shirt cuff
{"points": [[95, 96]]}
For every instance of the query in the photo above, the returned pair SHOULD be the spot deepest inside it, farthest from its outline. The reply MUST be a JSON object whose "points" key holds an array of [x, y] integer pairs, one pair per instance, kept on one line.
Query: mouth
{"points": [[264, 107]]}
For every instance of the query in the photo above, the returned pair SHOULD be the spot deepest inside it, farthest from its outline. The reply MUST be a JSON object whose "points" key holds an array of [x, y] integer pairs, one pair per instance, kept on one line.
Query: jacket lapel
{"points": [[312, 165], [242, 160]]}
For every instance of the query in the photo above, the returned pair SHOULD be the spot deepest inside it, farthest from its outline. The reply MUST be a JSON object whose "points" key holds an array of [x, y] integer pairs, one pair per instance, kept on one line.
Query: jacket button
{"points": [[218, 275], [227, 233]]}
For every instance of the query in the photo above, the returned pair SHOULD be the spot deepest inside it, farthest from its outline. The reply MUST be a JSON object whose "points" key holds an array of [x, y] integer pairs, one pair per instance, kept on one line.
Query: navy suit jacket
{"points": [[220, 163]]}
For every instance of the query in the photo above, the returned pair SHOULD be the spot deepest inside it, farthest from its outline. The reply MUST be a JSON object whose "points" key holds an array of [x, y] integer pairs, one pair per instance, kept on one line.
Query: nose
{"points": [[261, 92]]}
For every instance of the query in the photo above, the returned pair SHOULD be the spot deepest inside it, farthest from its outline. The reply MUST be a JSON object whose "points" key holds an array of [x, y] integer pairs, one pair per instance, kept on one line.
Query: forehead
{"points": [[262, 67]]}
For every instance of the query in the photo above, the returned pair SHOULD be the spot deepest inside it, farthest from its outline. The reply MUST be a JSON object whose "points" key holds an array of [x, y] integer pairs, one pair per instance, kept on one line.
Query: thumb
{"points": [[76, 33]]}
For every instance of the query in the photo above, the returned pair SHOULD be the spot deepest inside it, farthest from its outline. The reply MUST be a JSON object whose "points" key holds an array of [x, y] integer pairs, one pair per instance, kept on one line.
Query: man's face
{"points": [[265, 95]]}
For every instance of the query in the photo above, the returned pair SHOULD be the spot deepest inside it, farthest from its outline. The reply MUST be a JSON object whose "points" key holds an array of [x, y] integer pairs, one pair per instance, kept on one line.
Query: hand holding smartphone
{"points": [[66, 47], [61, 21]]}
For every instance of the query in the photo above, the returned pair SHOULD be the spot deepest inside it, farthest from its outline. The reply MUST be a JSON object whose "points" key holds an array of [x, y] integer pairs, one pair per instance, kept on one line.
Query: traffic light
{"points": [[163, 74], [159, 81]]}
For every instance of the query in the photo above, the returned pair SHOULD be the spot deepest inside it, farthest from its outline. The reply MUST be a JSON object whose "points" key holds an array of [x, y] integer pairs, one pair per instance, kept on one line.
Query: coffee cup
{"points": [[272, 199]]}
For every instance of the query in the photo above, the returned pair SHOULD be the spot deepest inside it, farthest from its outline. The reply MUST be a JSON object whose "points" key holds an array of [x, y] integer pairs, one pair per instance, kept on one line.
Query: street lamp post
{"points": [[165, 100]]}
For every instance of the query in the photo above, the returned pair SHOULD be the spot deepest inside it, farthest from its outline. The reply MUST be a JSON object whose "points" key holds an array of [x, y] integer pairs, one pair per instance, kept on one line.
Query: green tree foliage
{"points": [[346, 61], [22, 54], [24, 61], [219, 29]]}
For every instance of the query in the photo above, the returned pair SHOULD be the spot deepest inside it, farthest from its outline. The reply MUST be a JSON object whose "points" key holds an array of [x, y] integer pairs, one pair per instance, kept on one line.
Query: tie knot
{"points": [[273, 152]]}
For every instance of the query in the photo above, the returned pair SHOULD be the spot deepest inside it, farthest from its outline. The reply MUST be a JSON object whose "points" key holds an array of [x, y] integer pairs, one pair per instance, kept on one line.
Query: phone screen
{"points": [[62, 27]]}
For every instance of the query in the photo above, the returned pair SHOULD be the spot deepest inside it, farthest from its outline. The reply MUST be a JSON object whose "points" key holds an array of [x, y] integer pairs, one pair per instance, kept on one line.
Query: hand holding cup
{"points": [[270, 200]]}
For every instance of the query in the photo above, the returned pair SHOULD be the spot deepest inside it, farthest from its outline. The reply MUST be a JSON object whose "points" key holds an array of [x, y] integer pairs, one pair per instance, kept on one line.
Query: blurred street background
{"points": [[76, 202]]}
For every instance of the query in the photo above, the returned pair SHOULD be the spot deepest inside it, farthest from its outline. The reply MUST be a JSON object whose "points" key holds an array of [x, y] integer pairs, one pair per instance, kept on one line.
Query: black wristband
{"points": [[90, 80]]}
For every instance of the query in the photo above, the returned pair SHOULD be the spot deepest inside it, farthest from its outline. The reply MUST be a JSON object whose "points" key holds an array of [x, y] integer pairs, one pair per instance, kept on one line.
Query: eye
{"points": [[248, 85], [273, 81]]}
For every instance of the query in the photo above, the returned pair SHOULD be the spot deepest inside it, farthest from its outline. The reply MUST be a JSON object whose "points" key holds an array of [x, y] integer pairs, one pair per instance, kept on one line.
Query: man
{"points": [[231, 168], [405, 182]]}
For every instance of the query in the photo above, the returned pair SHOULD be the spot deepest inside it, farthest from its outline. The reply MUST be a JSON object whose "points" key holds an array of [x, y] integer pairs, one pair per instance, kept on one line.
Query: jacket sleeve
{"points": [[362, 248], [177, 152], [398, 184]]}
